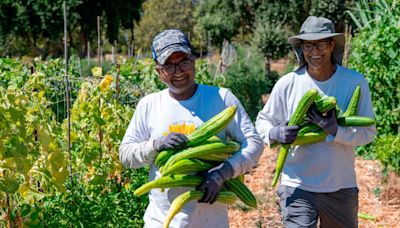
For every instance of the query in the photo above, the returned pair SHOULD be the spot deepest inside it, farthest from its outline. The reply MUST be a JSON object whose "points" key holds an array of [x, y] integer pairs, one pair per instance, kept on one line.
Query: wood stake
{"points": [[67, 94]]}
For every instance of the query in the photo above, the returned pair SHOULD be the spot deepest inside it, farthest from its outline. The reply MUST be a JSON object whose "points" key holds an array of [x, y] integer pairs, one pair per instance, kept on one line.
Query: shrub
{"points": [[375, 53], [387, 149], [247, 79]]}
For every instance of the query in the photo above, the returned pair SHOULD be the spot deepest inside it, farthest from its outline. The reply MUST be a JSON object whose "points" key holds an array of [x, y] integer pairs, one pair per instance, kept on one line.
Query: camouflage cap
{"points": [[168, 42]]}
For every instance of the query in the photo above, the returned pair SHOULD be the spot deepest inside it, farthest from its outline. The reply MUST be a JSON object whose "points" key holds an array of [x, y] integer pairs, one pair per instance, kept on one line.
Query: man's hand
{"points": [[172, 141], [328, 122], [284, 134], [213, 182]]}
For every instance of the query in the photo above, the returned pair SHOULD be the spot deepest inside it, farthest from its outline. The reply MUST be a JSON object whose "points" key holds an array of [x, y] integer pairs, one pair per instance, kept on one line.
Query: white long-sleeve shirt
{"points": [[327, 166], [158, 114]]}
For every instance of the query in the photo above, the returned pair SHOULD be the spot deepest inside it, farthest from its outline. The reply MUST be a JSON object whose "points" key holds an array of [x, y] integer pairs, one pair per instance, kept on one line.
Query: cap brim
{"points": [[313, 36], [170, 50]]}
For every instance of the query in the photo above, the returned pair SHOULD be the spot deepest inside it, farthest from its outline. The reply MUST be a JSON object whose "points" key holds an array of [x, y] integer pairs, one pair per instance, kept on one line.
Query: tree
{"points": [[218, 19], [161, 15], [265, 23], [271, 41], [38, 25], [33, 20]]}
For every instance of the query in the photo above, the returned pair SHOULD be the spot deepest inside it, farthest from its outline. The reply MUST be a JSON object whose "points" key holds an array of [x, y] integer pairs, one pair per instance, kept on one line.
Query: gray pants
{"points": [[301, 208]]}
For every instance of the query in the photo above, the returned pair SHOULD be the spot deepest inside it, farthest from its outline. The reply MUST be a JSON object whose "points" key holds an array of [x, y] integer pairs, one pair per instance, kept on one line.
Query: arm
{"points": [[242, 130], [272, 115], [137, 149], [357, 136]]}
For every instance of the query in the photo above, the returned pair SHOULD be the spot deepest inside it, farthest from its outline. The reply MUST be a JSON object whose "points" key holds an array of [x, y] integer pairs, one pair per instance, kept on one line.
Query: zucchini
{"points": [[297, 117], [325, 104], [188, 165], [203, 150], [352, 108], [242, 192], [180, 201], [355, 121], [309, 138], [179, 180], [212, 126], [164, 155], [218, 157]]}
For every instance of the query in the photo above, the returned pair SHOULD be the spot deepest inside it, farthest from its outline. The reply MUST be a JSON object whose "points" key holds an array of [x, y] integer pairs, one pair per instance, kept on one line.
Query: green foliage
{"points": [[376, 55], [332, 9], [387, 149], [204, 75], [290, 13], [247, 79], [219, 19], [161, 15], [266, 24], [13, 73], [33, 158], [271, 40], [36, 27], [32, 155], [110, 204]]}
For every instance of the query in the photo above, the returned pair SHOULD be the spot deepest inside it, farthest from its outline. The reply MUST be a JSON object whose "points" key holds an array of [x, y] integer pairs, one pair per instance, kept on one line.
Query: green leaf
{"points": [[9, 184]]}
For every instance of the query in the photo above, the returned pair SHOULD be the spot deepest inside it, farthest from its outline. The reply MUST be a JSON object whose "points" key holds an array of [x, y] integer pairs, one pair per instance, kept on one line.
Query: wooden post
{"points": [[116, 52], [201, 46], [112, 54], [88, 53], [117, 81], [99, 62], [98, 41], [9, 222], [67, 94], [79, 66]]}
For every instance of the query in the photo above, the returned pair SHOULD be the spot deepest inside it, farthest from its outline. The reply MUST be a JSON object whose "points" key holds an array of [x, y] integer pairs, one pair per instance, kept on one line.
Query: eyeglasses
{"points": [[320, 46], [170, 69]]}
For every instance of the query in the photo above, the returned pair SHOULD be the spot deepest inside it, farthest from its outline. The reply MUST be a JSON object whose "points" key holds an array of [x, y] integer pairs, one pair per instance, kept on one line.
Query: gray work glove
{"points": [[173, 141], [328, 123], [213, 182], [284, 134]]}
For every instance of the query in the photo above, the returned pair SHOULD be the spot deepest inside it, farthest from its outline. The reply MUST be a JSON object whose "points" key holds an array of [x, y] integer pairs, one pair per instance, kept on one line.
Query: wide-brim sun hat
{"points": [[318, 28]]}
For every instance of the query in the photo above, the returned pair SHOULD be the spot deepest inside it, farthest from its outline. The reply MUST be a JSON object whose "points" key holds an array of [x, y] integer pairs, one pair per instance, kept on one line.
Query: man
{"points": [[318, 180], [185, 105]]}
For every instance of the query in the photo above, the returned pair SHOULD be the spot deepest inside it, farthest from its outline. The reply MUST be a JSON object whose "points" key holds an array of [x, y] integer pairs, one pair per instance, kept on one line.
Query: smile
{"points": [[179, 79]]}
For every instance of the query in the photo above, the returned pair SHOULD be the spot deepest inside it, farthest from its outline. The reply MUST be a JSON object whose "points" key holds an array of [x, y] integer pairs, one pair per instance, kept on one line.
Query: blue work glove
{"points": [[213, 182], [328, 123], [284, 134], [172, 141]]}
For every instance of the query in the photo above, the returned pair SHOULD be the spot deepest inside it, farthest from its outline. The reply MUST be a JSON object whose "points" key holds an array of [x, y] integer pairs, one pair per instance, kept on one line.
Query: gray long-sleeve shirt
{"points": [[327, 166], [157, 115]]}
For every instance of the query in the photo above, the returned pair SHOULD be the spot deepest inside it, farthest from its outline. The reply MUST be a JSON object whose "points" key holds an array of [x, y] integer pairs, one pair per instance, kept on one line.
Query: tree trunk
{"points": [[133, 41], [267, 67], [83, 39]]}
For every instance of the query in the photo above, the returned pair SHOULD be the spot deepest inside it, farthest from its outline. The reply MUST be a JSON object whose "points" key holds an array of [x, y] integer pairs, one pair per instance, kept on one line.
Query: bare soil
{"points": [[381, 200]]}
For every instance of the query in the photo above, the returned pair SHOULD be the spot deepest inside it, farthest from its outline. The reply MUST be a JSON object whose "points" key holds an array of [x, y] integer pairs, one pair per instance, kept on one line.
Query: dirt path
{"points": [[381, 201]]}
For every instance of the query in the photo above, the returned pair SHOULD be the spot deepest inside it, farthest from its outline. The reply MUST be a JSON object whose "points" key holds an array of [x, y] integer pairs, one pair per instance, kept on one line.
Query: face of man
{"points": [[178, 73], [317, 53]]}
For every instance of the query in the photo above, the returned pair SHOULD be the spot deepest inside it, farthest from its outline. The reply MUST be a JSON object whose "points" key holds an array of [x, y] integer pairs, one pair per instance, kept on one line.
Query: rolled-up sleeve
{"points": [[241, 129], [137, 149]]}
